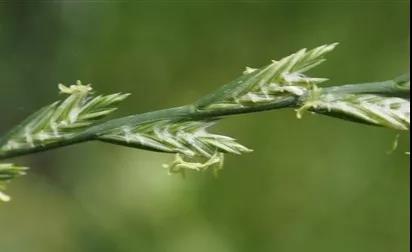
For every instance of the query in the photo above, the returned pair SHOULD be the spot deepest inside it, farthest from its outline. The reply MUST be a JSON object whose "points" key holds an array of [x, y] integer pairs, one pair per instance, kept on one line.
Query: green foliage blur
{"points": [[315, 184]]}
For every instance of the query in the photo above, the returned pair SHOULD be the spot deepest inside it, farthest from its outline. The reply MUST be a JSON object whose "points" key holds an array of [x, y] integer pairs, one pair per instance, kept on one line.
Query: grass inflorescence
{"points": [[184, 131]]}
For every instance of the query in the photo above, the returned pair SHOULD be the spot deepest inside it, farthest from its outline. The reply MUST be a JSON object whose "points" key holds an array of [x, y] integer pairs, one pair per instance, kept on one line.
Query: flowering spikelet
{"points": [[271, 83], [196, 148], [7, 173], [62, 119]]}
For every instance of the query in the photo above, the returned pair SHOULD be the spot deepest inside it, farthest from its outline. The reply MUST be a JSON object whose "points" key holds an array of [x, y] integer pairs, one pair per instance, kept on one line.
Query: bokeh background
{"points": [[316, 184]]}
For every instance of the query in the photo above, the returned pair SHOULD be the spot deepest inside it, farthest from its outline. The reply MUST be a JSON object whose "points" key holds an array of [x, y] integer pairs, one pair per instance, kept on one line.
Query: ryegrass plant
{"points": [[183, 130]]}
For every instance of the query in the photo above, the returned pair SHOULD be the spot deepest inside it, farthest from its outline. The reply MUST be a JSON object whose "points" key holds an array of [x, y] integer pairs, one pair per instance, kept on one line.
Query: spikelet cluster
{"points": [[62, 119], [271, 83], [390, 112], [196, 148], [7, 173]]}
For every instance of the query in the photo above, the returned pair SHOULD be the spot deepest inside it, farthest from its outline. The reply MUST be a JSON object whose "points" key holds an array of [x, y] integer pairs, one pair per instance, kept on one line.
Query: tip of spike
{"points": [[77, 88]]}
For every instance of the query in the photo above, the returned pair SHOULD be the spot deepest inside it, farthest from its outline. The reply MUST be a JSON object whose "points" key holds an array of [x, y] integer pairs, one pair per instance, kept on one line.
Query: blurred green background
{"points": [[316, 184]]}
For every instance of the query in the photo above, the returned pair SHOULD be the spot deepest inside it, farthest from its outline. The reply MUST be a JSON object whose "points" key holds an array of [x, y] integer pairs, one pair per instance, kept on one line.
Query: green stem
{"points": [[397, 87]]}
